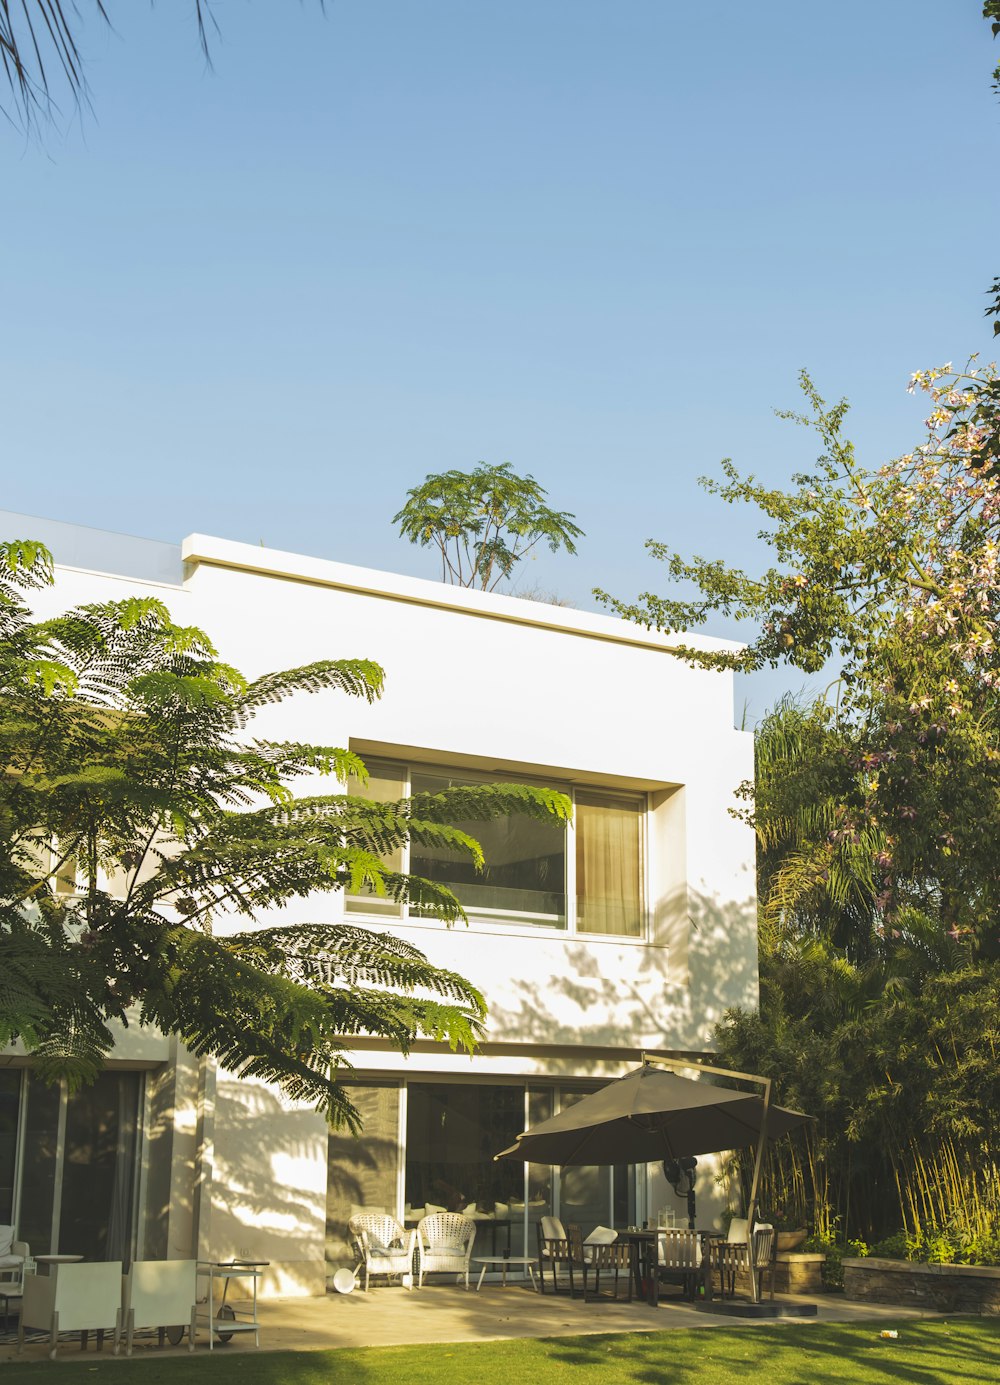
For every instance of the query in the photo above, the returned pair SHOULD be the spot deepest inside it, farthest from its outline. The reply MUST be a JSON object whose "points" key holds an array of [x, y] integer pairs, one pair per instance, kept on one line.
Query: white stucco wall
{"points": [[503, 685]]}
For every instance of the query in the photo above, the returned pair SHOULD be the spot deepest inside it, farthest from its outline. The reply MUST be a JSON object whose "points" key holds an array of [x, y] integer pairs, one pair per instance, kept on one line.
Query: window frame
{"points": [[496, 921]]}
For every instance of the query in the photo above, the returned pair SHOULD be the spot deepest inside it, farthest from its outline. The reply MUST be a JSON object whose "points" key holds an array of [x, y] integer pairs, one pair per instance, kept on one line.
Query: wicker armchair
{"points": [[13, 1255], [382, 1246], [444, 1244]]}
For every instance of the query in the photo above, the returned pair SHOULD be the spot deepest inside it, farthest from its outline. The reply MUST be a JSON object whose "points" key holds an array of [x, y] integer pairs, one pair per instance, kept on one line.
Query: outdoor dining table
{"points": [[642, 1261]]}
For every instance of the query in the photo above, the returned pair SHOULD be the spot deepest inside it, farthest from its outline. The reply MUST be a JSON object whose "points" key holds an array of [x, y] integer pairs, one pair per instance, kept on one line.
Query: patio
{"points": [[391, 1316]]}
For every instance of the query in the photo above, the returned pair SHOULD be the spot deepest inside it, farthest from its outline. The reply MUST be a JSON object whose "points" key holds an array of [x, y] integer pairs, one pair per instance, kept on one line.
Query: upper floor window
{"points": [[586, 876]]}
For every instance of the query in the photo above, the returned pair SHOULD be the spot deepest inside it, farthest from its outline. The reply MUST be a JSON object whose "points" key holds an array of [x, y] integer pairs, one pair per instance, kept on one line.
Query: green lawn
{"points": [[926, 1353]]}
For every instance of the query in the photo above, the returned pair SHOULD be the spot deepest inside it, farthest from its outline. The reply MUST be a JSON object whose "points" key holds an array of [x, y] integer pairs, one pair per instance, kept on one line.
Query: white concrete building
{"points": [[631, 929]]}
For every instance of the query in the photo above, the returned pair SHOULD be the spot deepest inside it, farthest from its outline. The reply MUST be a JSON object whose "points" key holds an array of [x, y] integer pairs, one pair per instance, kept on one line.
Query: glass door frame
{"points": [[530, 1082], [59, 1159]]}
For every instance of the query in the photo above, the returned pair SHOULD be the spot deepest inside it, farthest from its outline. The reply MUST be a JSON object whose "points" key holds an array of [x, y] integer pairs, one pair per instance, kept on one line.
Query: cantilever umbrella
{"points": [[649, 1115]]}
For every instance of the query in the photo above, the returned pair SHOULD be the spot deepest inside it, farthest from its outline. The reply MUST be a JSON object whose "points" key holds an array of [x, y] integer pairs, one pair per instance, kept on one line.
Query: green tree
{"points": [[40, 48], [890, 579], [876, 809], [483, 523], [137, 813]]}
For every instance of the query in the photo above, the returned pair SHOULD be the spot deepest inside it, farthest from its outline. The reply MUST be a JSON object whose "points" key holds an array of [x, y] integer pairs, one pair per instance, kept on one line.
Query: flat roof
{"points": [[106, 552], [199, 549]]}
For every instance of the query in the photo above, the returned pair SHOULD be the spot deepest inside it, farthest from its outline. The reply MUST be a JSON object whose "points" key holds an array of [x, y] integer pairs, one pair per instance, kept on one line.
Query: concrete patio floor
{"points": [[391, 1316]]}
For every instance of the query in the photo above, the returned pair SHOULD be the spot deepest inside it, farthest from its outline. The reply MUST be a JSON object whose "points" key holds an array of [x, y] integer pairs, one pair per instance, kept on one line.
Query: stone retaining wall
{"points": [[945, 1288], [795, 1272], [798, 1272]]}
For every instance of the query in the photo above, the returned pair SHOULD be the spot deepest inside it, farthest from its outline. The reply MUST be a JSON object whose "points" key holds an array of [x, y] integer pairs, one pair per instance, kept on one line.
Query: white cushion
{"points": [[8, 1260], [431, 1207], [601, 1236], [470, 1210], [553, 1229], [501, 1209], [6, 1237]]}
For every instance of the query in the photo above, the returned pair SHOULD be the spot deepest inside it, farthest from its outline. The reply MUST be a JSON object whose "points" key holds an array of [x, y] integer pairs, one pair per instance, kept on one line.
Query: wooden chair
{"points": [[732, 1256], [679, 1258], [553, 1250], [608, 1258]]}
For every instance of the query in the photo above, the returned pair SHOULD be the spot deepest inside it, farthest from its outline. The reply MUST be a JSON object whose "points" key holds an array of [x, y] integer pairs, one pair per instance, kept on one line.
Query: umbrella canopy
{"points": [[648, 1115]]}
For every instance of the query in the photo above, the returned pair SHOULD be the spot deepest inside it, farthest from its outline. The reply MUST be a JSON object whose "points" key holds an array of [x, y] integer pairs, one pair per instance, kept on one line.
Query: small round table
{"points": [[525, 1261], [46, 1260]]}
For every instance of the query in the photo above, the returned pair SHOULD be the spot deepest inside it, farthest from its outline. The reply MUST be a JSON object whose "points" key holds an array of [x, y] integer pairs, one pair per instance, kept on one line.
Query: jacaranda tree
{"points": [[141, 821]]}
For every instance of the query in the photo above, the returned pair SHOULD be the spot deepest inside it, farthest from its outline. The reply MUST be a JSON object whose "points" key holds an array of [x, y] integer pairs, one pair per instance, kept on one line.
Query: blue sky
{"points": [[594, 239]]}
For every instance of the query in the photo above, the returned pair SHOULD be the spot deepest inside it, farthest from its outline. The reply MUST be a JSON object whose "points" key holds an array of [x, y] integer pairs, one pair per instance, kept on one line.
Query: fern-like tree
{"points": [[483, 523], [141, 821]]}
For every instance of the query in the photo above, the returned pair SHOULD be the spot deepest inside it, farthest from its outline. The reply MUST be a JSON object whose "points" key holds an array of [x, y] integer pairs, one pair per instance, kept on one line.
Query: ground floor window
{"points": [[73, 1163], [429, 1145]]}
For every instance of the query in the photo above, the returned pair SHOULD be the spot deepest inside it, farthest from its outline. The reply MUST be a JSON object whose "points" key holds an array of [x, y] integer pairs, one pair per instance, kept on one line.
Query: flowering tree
{"points": [[889, 578]]}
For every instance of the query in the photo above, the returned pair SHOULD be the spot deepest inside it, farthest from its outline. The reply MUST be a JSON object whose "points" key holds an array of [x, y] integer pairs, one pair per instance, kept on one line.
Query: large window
{"points": [[586, 876]]}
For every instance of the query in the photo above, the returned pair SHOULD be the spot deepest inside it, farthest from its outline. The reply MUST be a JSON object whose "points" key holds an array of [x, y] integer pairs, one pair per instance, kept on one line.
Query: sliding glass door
{"points": [[428, 1146], [78, 1167]]}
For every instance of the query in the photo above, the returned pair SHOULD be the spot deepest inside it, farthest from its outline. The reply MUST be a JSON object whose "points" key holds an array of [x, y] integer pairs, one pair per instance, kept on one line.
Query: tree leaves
{"points": [[483, 523], [130, 766]]}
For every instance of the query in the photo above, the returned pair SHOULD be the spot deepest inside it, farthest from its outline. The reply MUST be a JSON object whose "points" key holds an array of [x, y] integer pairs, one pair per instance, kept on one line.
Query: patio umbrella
{"points": [[648, 1115]]}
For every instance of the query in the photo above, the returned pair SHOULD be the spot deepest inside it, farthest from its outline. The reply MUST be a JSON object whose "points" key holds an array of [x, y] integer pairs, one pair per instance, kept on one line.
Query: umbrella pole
{"points": [[754, 1189]]}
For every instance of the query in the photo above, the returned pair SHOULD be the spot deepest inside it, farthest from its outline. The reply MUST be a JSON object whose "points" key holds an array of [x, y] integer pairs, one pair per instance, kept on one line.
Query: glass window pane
{"points": [[39, 1179], [362, 1173], [585, 1191], [453, 1130], [386, 784], [623, 1178], [524, 879], [541, 1177], [10, 1098], [66, 874], [609, 865], [98, 1168]]}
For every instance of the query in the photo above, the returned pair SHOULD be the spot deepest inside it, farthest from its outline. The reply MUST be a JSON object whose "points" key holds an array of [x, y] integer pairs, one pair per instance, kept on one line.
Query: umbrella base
{"points": [[730, 1309]]}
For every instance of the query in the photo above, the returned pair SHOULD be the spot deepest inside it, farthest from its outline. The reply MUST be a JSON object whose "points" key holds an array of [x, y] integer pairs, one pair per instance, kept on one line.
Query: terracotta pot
{"points": [[791, 1240]]}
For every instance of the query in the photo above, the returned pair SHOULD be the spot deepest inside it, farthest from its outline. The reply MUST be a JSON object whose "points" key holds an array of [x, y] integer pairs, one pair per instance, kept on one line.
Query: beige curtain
{"points": [[608, 865]]}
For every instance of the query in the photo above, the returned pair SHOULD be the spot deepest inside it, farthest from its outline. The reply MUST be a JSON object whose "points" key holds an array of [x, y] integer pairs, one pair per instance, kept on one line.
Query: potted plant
{"points": [[791, 1233]]}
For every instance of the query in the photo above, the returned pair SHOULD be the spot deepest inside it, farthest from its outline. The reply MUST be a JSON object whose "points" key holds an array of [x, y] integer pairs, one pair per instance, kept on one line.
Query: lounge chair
{"points": [[72, 1298], [160, 1294]]}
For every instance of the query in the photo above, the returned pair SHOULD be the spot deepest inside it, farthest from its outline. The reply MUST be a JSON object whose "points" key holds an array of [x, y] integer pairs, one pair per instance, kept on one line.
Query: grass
{"points": [[939, 1352]]}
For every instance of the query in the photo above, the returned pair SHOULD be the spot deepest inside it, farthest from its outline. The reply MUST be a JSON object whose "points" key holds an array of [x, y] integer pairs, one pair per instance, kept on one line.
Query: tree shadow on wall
{"points": [[672, 1000]]}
